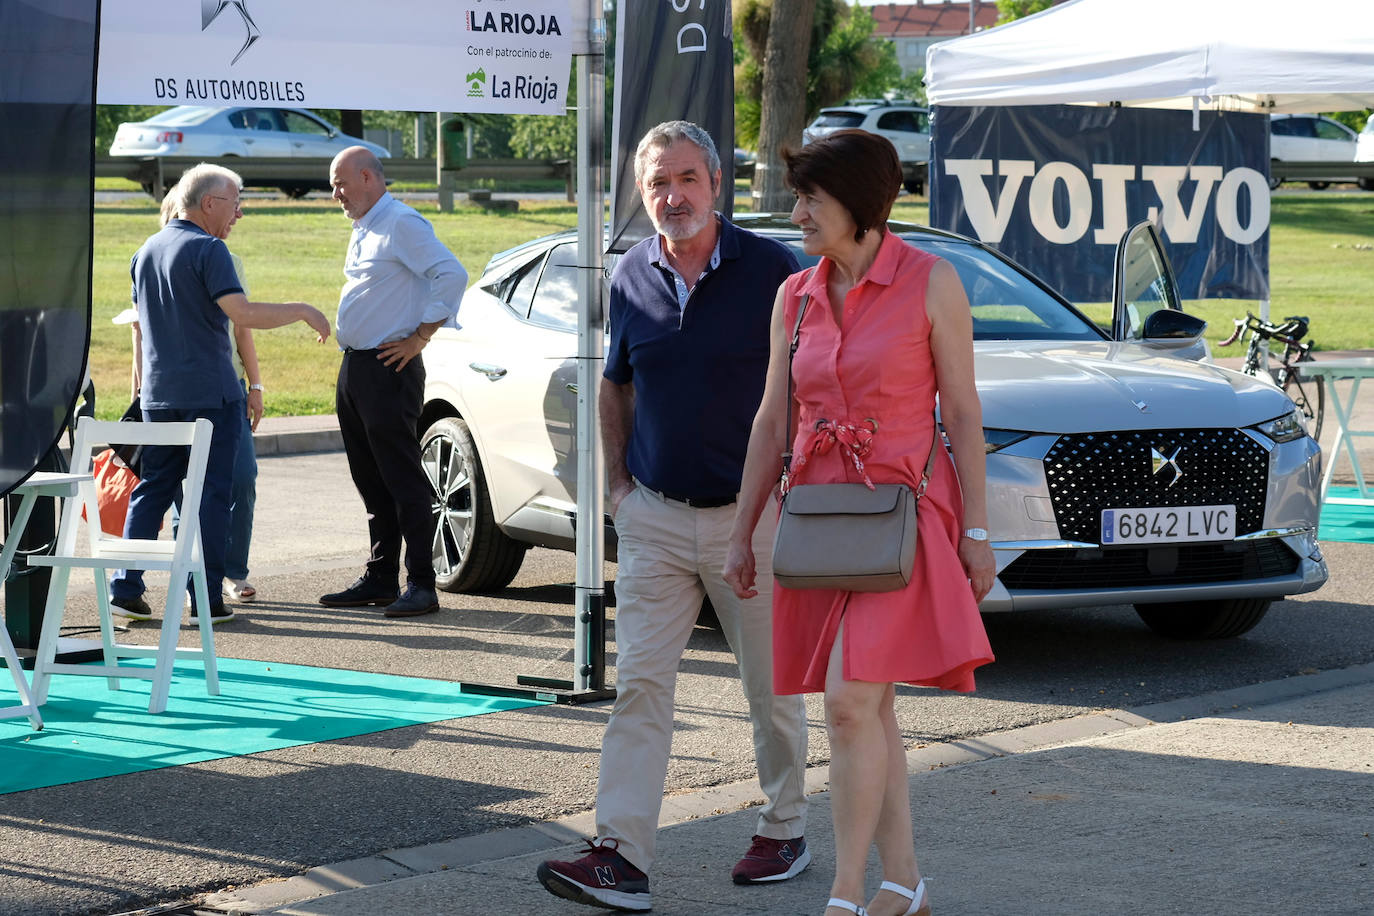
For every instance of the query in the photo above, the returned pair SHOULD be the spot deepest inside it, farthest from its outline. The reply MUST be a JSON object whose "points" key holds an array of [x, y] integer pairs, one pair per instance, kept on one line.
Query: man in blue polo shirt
{"points": [[186, 291], [689, 318]]}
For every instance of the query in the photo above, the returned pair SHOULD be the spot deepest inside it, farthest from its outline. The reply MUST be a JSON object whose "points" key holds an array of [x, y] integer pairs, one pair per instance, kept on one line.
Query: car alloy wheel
{"points": [[471, 554]]}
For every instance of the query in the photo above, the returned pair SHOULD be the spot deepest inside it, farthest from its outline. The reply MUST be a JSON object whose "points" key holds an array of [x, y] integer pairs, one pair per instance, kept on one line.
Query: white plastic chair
{"points": [[181, 557]]}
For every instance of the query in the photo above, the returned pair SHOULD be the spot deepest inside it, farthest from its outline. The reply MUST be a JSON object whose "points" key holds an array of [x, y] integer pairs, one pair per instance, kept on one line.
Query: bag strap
{"points": [[791, 352], [787, 428]]}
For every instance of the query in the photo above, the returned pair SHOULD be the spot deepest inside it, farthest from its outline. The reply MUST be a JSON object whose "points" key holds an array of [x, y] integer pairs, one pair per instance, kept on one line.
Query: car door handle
{"points": [[571, 386], [491, 372]]}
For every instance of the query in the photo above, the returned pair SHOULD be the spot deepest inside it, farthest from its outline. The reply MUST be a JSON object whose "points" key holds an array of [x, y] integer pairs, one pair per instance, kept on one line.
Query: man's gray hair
{"points": [[666, 134], [203, 180]]}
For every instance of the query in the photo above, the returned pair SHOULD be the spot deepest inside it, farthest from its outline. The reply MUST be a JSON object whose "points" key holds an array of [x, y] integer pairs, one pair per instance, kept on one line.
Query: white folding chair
{"points": [[181, 557]]}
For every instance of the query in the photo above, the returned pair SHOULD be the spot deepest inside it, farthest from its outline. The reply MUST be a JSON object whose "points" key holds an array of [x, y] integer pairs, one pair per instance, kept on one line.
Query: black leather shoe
{"points": [[362, 593], [134, 608], [414, 602]]}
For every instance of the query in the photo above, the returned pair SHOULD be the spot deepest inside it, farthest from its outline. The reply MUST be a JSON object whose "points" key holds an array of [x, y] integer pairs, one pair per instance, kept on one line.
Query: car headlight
{"points": [[1286, 428], [997, 439]]}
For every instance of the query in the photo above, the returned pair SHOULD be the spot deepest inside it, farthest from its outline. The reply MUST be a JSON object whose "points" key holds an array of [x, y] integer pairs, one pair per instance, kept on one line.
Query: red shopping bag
{"points": [[114, 483]]}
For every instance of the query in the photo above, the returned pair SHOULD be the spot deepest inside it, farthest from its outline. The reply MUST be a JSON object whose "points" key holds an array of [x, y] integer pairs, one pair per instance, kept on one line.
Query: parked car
{"points": [[1123, 467], [744, 163], [1364, 151], [194, 130], [906, 124], [1308, 138]]}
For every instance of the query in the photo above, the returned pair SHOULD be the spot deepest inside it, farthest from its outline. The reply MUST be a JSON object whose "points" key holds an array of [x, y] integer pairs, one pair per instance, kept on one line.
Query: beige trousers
{"points": [[670, 555]]}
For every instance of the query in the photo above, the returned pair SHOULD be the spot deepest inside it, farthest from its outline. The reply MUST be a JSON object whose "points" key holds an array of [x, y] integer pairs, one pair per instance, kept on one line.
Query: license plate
{"points": [[1168, 526]]}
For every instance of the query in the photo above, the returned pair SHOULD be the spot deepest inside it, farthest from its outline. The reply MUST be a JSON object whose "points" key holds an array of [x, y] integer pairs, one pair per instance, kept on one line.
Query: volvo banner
{"points": [[499, 56], [1054, 187], [47, 141], [673, 61]]}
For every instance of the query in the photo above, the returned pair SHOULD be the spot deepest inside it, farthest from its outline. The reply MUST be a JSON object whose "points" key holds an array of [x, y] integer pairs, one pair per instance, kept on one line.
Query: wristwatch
{"points": [[256, 388], [976, 534]]}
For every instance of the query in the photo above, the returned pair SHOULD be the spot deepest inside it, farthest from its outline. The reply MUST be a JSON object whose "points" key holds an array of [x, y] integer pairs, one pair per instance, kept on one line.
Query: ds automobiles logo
{"points": [[210, 10]]}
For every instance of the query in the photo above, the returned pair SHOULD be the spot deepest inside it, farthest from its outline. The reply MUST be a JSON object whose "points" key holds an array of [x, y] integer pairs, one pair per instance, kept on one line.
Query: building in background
{"points": [[913, 27]]}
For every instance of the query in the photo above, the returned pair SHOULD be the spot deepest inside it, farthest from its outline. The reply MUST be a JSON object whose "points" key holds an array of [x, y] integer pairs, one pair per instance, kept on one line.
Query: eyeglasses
{"points": [[236, 201]]}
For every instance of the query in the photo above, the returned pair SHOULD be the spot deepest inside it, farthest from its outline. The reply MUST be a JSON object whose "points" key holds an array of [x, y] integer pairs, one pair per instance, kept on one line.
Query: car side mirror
{"points": [[1168, 328]]}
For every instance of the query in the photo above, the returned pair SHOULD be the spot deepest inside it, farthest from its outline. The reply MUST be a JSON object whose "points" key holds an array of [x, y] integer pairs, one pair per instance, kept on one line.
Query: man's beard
{"points": [[677, 230]]}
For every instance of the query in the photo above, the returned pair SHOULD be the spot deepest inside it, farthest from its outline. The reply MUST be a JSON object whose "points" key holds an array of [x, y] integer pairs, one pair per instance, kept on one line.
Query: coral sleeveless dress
{"points": [[877, 364]]}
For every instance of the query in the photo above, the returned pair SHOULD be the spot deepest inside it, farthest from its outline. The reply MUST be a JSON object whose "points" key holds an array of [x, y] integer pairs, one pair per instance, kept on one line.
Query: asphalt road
{"points": [[111, 845]]}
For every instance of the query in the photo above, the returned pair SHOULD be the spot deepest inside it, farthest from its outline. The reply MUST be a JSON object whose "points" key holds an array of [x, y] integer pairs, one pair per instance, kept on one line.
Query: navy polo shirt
{"points": [[178, 275], [698, 371]]}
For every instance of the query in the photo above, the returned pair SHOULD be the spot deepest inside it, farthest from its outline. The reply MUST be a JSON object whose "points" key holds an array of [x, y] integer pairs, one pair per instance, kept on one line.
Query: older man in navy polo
{"points": [[689, 320], [186, 290]]}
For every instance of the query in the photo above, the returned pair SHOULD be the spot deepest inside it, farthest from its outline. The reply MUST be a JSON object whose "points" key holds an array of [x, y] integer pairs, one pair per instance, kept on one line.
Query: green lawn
{"points": [[1321, 265]]}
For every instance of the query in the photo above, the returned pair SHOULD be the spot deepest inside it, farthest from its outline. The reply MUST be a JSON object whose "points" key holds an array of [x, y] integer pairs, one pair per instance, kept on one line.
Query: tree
{"points": [[843, 59], [1009, 10], [351, 122], [783, 98]]}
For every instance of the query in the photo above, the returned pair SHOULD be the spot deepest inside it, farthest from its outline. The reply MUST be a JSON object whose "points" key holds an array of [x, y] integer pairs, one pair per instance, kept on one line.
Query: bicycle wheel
{"points": [[1309, 394]]}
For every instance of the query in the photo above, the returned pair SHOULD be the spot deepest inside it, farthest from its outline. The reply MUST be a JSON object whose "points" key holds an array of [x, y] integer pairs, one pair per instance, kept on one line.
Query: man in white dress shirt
{"points": [[401, 285]]}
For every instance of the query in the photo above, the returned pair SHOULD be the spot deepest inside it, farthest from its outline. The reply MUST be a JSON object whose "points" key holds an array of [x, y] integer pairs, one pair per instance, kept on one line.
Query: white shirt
{"points": [[398, 275]]}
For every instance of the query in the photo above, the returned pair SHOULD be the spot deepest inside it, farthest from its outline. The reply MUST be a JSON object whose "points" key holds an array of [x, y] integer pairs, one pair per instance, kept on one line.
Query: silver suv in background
{"points": [[903, 122]]}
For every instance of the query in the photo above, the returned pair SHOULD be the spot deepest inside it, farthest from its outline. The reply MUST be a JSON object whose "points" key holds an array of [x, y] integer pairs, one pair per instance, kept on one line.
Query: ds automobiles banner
{"points": [[674, 61], [1054, 187], [47, 122], [499, 56]]}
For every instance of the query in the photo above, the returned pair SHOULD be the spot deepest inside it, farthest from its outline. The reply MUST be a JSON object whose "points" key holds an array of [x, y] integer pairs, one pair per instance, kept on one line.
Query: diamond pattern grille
{"points": [[1089, 472]]}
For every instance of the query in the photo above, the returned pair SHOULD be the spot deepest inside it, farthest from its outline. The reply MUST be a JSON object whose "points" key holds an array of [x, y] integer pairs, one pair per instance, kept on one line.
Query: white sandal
{"points": [[240, 590], [920, 906], [839, 904]]}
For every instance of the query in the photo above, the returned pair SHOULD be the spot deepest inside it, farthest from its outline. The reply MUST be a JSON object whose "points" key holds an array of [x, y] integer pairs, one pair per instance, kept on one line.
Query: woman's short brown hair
{"points": [[859, 169]]}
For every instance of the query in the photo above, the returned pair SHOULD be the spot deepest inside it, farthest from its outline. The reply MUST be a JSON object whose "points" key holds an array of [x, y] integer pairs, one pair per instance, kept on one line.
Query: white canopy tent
{"points": [[1229, 55]]}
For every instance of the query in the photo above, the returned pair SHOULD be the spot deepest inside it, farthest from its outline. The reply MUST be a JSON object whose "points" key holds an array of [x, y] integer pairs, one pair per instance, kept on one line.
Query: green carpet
{"points": [[1347, 523], [90, 731]]}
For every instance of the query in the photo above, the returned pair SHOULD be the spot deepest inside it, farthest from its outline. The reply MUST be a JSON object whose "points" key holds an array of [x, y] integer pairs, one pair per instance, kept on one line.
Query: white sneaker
{"points": [[240, 590]]}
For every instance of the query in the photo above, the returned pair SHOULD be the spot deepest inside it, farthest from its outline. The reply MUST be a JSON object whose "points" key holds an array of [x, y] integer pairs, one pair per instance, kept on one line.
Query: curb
{"points": [[297, 435], [390, 865]]}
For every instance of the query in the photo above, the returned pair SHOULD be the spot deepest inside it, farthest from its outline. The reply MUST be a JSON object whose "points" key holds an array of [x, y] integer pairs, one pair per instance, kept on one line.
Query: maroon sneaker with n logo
{"points": [[772, 860], [603, 877]]}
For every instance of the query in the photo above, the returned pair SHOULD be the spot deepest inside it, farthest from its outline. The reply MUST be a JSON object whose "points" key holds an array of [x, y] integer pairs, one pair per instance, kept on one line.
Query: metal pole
{"points": [[589, 634], [442, 178]]}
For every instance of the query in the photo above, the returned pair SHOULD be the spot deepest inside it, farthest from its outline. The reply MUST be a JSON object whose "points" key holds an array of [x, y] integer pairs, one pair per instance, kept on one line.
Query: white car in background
{"points": [[1364, 151], [907, 125], [1309, 138], [249, 130]]}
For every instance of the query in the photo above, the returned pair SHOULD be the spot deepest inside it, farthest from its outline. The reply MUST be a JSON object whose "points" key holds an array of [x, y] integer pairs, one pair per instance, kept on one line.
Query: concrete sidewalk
{"points": [[1254, 800]]}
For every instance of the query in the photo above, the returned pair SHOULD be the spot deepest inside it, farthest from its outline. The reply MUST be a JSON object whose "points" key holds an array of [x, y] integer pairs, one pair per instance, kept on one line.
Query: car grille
{"points": [[1089, 472], [1134, 567]]}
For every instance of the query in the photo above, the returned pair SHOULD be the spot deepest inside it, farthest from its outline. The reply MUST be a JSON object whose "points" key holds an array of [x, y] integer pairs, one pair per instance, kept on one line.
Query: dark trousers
{"points": [[379, 410], [164, 468]]}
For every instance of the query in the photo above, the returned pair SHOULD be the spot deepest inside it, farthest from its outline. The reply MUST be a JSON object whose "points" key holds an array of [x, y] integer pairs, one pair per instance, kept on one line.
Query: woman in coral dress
{"points": [[886, 328]]}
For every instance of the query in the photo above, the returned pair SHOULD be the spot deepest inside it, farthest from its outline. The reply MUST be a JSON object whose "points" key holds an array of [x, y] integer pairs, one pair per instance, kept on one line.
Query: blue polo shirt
{"points": [[187, 352], [698, 371]]}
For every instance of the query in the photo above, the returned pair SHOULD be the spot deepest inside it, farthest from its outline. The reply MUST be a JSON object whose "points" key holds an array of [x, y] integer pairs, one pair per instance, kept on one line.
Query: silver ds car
{"points": [[1123, 467]]}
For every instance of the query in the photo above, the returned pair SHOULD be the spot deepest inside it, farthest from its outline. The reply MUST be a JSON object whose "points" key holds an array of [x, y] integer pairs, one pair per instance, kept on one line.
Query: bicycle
{"points": [[1307, 394]]}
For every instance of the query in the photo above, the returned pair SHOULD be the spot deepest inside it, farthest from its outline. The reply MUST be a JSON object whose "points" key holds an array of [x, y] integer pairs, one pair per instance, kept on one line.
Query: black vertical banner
{"points": [[670, 64], [47, 149]]}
